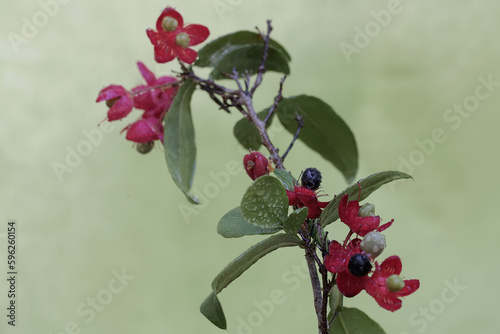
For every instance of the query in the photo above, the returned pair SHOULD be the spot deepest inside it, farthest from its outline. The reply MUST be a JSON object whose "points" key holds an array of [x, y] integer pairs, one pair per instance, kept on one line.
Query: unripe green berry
{"points": [[182, 39], [373, 243], [367, 210], [169, 24], [145, 147], [111, 102], [394, 283]]}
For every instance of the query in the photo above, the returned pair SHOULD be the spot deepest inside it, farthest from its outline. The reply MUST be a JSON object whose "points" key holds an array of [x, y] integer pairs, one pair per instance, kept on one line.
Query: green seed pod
{"points": [[367, 210], [394, 283], [169, 24], [373, 243], [145, 147], [182, 39]]}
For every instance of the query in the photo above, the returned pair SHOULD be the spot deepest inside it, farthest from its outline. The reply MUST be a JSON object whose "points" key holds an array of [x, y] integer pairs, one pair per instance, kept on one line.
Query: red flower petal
{"points": [[186, 55], [197, 33], [337, 259], [120, 108], [147, 74], [350, 285], [111, 92], [144, 130], [169, 11], [411, 285], [390, 266]]}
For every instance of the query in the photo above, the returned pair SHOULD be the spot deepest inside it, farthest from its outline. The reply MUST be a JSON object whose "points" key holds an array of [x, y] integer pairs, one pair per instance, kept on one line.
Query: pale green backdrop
{"points": [[118, 211]]}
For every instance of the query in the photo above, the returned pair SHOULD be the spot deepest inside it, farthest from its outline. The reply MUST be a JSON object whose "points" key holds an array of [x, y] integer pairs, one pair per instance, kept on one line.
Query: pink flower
{"points": [[118, 99], [304, 197], [380, 287], [349, 215], [350, 265], [144, 130], [172, 39], [154, 102]]}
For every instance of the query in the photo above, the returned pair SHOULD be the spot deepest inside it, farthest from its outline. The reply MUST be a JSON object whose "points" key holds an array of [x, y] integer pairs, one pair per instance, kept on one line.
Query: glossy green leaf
{"points": [[265, 203], [179, 140], [242, 50], [354, 321], [286, 178], [233, 225], [324, 131], [368, 185], [247, 134], [212, 309], [295, 220], [239, 265]]}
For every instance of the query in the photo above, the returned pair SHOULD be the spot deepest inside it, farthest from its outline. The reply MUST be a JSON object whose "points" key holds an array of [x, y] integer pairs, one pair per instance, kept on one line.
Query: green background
{"points": [[118, 209]]}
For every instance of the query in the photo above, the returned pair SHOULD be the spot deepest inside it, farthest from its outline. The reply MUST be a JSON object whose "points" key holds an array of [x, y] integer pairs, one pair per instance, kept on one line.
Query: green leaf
{"points": [[324, 131], [239, 265], [368, 185], [233, 225], [265, 203], [286, 178], [212, 309], [295, 220], [242, 50], [247, 134], [179, 141], [354, 321]]}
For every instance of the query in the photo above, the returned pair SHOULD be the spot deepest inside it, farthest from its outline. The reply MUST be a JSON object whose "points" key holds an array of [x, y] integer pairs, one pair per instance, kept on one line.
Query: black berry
{"points": [[311, 178], [359, 265]]}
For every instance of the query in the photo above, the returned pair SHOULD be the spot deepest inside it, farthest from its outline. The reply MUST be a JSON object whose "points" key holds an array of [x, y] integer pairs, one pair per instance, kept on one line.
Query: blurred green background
{"points": [[119, 212]]}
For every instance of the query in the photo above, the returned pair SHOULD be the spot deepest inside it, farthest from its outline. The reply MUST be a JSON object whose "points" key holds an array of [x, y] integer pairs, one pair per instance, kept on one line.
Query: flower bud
{"points": [[169, 24], [367, 210], [394, 283], [255, 165], [311, 178], [182, 39], [373, 243]]}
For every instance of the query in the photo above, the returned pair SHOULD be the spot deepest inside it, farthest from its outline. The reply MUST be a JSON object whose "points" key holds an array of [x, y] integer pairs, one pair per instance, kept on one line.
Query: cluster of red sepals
{"points": [[339, 255], [171, 40]]}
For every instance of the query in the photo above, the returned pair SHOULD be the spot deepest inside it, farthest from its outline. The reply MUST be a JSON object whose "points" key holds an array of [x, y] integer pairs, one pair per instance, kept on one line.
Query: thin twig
{"points": [[277, 100], [300, 124], [262, 66]]}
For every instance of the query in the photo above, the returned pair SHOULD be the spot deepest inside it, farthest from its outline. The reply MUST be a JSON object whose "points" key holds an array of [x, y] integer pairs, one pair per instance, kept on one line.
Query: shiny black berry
{"points": [[359, 265], [311, 178]]}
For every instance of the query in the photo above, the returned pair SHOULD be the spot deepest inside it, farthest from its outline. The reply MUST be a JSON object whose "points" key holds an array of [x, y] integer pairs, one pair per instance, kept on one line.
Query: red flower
{"points": [[155, 102], [339, 260], [172, 39], [256, 164], [118, 99], [144, 130], [377, 285], [302, 196], [348, 213]]}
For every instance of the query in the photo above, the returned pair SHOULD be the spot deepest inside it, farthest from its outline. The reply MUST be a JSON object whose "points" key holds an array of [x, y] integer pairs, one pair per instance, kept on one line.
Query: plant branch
{"points": [[300, 124], [277, 100], [262, 67]]}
